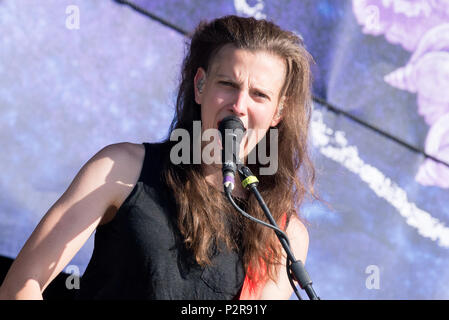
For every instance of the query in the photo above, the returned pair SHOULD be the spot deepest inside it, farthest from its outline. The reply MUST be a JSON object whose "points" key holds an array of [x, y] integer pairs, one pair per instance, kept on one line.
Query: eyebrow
{"points": [[220, 75]]}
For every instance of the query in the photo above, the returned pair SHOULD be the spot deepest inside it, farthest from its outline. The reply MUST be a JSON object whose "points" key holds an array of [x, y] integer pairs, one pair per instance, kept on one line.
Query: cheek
{"points": [[209, 111], [260, 123], [212, 103], [261, 118]]}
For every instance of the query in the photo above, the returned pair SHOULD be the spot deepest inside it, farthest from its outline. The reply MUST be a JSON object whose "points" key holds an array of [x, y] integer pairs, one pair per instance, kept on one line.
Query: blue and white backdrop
{"points": [[76, 75]]}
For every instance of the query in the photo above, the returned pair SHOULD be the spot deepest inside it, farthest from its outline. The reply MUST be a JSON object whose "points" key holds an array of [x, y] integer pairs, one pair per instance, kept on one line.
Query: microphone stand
{"points": [[294, 267]]}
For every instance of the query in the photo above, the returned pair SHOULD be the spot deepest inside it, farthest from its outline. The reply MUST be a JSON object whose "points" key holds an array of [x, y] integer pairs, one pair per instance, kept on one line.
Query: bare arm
{"points": [[101, 185], [299, 242]]}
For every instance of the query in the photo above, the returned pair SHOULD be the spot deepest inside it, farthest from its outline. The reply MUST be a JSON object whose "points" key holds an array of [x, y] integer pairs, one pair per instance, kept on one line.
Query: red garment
{"points": [[252, 289]]}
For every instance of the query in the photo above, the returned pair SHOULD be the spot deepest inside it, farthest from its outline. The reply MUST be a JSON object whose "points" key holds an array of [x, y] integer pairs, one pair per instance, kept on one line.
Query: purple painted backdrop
{"points": [[69, 87]]}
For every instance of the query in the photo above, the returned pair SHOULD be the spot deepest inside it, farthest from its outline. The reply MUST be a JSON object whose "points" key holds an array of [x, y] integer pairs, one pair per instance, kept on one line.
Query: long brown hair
{"points": [[201, 207]]}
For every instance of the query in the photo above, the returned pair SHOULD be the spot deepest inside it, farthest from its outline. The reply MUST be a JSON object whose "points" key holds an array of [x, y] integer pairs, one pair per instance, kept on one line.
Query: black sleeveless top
{"points": [[140, 254]]}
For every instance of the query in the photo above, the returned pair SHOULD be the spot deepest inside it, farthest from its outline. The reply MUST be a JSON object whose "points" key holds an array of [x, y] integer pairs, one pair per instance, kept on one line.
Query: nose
{"points": [[240, 104]]}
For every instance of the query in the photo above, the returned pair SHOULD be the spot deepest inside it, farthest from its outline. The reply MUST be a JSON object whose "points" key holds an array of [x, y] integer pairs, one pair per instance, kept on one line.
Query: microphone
{"points": [[231, 129]]}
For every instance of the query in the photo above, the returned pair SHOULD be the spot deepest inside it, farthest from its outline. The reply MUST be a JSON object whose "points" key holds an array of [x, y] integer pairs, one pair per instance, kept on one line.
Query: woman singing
{"points": [[164, 229]]}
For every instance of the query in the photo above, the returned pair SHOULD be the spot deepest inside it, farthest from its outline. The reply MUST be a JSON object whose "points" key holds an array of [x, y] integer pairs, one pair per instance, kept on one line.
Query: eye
{"points": [[227, 83], [261, 95]]}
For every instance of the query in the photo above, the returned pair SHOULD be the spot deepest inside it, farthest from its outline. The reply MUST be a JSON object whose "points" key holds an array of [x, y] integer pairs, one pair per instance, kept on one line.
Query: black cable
{"points": [[276, 229]]}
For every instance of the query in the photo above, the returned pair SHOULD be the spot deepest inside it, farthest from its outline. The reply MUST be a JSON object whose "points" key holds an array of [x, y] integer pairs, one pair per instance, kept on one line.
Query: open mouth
{"points": [[217, 125]]}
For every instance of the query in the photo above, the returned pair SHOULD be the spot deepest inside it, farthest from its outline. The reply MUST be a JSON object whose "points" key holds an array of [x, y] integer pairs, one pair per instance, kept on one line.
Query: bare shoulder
{"points": [[125, 162], [124, 151], [299, 237], [297, 228]]}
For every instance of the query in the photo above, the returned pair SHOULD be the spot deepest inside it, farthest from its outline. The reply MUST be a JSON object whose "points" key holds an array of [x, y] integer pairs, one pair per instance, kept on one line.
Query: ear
{"points": [[200, 76], [276, 119], [278, 115]]}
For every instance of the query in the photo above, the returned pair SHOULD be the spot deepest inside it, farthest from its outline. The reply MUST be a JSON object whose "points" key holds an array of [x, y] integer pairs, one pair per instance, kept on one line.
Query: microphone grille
{"points": [[230, 122]]}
